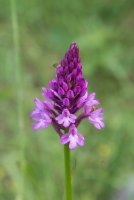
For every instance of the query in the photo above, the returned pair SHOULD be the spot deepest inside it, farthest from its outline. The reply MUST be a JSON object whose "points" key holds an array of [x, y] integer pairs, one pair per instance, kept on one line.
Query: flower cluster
{"points": [[65, 97]]}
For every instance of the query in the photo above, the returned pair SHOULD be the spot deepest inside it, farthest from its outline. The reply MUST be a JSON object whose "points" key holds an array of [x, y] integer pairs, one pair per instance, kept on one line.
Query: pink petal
{"points": [[73, 117], [60, 119], [91, 96], [66, 122], [73, 143], [80, 139], [102, 124], [97, 125], [39, 103], [65, 138], [33, 113], [37, 125]]}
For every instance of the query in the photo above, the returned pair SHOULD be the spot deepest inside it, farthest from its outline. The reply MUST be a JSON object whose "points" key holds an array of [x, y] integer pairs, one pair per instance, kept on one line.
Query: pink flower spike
{"points": [[66, 103], [73, 137], [66, 118]]}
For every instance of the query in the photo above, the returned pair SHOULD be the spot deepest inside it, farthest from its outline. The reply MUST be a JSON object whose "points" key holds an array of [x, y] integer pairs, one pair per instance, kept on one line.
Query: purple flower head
{"points": [[66, 96]]}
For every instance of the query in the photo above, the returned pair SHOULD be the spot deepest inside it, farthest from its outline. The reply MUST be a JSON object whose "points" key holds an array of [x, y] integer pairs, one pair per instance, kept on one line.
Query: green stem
{"points": [[19, 92], [17, 65], [67, 172]]}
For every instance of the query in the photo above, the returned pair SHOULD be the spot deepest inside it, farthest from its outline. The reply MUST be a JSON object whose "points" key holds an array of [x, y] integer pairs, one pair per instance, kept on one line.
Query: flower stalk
{"points": [[68, 182]]}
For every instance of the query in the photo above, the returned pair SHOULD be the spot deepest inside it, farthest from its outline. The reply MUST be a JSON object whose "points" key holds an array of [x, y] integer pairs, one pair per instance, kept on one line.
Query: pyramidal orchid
{"points": [[63, 100], [66, 96]]}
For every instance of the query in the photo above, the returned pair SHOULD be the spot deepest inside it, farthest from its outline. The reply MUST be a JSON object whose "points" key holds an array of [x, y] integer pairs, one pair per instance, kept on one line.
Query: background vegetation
{"points": [[31, 163]]}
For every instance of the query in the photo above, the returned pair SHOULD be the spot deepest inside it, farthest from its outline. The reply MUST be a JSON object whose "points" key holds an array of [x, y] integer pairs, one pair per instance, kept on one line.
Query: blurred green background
{"points": [[32, 163]]}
